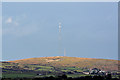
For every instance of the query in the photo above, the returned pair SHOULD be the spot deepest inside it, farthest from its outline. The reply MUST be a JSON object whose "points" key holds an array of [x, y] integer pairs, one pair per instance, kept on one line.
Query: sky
{"points": [[89, 29]]}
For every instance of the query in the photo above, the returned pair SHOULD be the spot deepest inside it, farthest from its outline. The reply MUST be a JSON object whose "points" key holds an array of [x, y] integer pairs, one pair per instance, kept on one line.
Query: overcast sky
{"points": [[88, 29]]}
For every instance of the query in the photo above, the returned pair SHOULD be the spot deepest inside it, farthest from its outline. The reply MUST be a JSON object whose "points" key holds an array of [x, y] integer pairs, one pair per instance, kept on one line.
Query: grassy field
{"points": [[76, 75], [60, 61], [18, 75]]}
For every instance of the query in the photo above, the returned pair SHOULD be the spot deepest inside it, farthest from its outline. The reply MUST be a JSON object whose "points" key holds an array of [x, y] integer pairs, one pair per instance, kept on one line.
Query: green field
{"points": [[19, 75]]}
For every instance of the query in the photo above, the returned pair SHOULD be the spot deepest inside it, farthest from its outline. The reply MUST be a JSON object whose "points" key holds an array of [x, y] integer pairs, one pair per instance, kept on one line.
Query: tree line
{"points": [[64, 77]]}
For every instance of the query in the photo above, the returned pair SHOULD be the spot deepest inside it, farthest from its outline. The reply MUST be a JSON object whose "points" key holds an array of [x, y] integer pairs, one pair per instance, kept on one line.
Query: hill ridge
{"points": [[59, 56], [65, 61]]}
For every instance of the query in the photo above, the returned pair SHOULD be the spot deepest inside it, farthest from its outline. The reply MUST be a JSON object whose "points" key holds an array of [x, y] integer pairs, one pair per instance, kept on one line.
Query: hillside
{"points": [[60, 61]]}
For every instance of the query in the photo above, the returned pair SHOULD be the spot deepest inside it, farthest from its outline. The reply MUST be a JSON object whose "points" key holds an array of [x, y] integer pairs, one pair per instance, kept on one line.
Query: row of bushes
{"points": [[64, 77]]}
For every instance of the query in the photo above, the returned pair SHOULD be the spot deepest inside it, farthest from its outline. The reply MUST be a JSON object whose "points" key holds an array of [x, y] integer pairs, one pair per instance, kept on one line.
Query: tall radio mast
{"points": [[60, 39]]}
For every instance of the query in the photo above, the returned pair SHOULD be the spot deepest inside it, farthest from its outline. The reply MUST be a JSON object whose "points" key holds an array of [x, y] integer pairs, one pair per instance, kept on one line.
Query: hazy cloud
{"points": [[18, 26], [9, 20], [20, 30]]}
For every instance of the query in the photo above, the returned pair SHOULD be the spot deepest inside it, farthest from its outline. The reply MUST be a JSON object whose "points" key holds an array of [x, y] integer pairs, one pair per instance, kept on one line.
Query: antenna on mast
{"points": [[59, 27]]}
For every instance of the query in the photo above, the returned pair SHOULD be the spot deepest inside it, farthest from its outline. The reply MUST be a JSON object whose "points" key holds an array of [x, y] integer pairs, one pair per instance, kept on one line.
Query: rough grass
{"points": [[104, 64]]}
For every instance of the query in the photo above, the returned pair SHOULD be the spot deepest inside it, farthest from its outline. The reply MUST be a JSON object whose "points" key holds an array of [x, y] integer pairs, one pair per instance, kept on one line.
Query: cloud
{"points": [[9, 20], [19, 26]]}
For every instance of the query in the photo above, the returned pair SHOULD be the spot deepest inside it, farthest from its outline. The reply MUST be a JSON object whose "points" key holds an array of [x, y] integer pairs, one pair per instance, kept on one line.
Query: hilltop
{"points": [[61, 61], [53, 66]]}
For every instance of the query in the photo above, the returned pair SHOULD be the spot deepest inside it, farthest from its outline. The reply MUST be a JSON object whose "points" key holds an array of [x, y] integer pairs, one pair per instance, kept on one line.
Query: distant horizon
{"points": [[58, 56]]}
